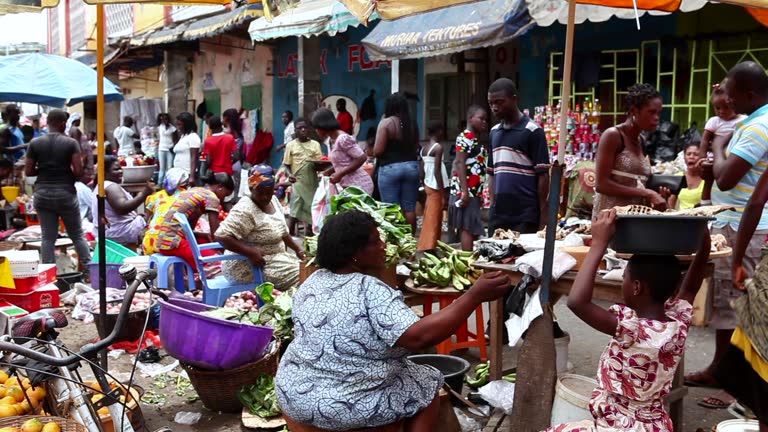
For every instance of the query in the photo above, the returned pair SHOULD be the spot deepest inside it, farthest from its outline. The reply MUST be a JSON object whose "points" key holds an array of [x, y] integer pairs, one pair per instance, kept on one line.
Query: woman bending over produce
{"points": [[347, 367], [256, 228]]}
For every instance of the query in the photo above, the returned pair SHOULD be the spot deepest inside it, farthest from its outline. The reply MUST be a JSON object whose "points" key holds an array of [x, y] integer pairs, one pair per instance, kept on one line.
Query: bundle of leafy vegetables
{"points": [[275, 313], [260, 398], [395, 232]]}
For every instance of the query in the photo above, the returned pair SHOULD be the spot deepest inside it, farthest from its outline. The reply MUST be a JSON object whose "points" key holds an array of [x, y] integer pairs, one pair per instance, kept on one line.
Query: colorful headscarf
{"points": [[174, 178], [261, 175]]}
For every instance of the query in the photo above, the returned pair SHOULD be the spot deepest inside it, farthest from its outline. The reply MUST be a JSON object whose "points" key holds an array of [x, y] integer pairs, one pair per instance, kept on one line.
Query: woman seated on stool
{"points": [[347, 366], [165, 234], [256, 228], [176, 181], [123, 224]]}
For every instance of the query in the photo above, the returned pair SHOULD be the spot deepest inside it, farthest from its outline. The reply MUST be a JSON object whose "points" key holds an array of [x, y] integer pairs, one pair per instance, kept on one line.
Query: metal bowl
{"points": [[659, 234], [137, 174]]}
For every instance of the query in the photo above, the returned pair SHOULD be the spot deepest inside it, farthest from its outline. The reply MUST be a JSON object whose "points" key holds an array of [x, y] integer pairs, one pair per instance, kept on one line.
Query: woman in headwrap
{"points": [[175, 181], [256, 228]]}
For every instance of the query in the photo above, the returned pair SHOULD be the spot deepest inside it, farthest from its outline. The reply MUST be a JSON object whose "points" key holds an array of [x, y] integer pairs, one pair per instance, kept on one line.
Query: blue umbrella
{"points": [[52, 80]]}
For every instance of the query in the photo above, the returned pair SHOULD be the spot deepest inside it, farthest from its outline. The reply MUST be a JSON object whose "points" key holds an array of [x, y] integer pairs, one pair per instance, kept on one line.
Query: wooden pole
{"points": [[566, 91]]}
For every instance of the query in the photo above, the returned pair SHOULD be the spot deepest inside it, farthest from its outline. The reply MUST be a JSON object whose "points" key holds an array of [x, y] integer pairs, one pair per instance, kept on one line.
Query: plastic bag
{"points": [[321, 203], [533, 262], [500, 394], [187, 417], [244, 190]]}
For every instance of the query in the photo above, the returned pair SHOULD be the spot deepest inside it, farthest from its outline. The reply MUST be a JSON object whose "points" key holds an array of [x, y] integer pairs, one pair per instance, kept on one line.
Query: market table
{"points": [[606, 290]]}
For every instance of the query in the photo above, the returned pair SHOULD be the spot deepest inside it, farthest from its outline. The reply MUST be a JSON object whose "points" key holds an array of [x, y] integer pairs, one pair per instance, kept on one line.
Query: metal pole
{"points": [[395, 76], [102, 247]]}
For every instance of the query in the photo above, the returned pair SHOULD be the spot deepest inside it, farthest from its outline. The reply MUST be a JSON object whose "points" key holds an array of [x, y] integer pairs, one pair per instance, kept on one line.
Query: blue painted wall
{"points": [[348, 72]]}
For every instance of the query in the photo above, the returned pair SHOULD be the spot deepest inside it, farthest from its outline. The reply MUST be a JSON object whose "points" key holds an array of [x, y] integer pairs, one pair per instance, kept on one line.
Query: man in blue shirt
{"points": [[518, 164], [16, 146]]}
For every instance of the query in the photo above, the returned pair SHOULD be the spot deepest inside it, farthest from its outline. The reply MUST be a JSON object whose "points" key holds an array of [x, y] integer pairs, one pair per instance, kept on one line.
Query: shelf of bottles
{"points": [[583, 128]]}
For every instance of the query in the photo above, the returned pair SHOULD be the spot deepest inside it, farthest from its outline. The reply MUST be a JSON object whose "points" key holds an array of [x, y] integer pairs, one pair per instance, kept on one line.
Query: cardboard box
{"points": [[25, 285], [9, 314], [41, 298]]}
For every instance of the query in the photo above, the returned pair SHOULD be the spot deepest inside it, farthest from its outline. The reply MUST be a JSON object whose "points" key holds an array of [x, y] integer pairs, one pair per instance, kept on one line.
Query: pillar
{"points": [[310, 93], [176, 82]]}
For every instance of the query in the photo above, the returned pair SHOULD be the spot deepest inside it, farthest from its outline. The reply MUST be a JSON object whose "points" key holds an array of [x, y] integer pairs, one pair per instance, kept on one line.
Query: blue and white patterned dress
{"points": [[342, 371]]}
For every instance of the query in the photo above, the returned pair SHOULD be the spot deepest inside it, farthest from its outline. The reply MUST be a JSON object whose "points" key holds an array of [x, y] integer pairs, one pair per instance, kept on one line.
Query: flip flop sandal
{"points": [[712, 402]]}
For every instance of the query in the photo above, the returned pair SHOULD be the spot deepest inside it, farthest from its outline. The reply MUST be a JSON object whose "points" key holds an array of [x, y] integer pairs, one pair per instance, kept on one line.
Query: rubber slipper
{"points": [[701, 379], [713, 402]]}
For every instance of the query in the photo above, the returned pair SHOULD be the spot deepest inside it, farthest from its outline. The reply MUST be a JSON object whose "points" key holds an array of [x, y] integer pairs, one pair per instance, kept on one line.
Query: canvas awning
{"points": [[194, 29], [310, 18], [449, 30]]}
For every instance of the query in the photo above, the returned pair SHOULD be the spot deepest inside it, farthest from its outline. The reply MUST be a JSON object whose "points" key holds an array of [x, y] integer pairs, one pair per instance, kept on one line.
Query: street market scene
{"points": [[361, 215]]}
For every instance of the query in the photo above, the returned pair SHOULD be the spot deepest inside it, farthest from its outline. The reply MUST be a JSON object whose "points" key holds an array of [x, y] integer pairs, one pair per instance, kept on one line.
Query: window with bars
{"points": [[119, 19]]}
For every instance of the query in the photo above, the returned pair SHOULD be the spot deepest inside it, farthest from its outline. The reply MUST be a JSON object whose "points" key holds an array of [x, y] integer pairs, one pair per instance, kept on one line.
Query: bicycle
{"points": [[33, 346]]}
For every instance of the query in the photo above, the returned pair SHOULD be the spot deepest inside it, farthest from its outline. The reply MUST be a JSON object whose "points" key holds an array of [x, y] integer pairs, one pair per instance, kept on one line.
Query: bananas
{"points": [[449, 267]]}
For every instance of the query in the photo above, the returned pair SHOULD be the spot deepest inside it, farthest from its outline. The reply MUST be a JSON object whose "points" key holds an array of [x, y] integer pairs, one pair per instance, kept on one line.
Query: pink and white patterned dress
{"points": [[636, 372]]}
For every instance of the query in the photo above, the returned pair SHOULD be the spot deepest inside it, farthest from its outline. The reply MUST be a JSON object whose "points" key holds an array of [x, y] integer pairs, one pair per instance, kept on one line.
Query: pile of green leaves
{"points": [[395, 232], [260, 398], [275, 313]]}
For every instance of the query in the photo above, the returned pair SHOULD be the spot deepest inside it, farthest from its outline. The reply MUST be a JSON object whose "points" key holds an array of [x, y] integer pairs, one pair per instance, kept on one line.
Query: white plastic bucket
{"points": [[738, 425], [572, 395], [561, 353], [140, 262]]}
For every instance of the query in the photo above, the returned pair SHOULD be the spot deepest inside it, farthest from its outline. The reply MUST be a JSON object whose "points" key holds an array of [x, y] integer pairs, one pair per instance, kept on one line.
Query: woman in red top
{"points": [[220, 147]]}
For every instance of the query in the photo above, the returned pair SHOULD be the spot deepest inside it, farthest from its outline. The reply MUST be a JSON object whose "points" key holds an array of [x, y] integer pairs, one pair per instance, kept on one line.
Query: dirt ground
{"points": [[585, 349]]}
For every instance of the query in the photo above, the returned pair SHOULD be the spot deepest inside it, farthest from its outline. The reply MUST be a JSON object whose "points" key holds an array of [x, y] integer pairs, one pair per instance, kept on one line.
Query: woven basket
{"points": [[66, 425], [218, 389]]}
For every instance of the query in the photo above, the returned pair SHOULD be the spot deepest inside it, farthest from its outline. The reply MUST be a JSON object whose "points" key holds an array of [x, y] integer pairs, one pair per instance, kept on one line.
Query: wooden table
{"points": [[604, 290], [62, 244]]}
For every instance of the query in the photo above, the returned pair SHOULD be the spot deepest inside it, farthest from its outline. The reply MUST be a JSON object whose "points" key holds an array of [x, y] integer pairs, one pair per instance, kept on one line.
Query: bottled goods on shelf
{"points": [[582, 125]]}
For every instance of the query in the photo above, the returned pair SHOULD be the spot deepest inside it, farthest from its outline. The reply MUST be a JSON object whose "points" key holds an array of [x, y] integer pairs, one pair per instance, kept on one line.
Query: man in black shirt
{"points": [[56, 161]]}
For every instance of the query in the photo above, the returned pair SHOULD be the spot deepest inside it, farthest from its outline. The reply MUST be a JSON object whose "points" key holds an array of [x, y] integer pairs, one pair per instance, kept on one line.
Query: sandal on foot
{"points": [[719, 401], [701, 379]]}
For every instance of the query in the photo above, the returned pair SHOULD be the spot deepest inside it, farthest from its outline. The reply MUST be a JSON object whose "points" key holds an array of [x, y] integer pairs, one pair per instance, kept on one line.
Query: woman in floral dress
{"points": [[468, 180], [648, 335], [256, 228]]}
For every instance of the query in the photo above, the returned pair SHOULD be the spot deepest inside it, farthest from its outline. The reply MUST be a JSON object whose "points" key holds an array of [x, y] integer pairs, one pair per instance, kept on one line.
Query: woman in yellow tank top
{"points": [[689, 196]]}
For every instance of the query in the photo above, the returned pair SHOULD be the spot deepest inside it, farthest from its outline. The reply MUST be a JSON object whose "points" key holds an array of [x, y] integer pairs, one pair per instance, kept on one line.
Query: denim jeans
{"points": [[52, 203], [399, 184], [165, 157]]}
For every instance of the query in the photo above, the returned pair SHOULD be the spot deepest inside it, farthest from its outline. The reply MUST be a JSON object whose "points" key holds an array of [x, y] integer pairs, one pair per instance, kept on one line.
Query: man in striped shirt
{"points": [[737, 168], [518, 164]]}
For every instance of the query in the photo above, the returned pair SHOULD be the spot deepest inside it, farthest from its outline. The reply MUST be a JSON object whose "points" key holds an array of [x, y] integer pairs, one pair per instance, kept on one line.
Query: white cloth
{"points": [[721, 127], [429, 170], [182, 157], [124, 137], [84, 198], [288, 133], [165, 135]]}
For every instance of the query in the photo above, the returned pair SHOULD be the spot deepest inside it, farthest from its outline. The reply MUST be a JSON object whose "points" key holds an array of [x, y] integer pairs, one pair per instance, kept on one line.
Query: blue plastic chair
{"points": [[164, 263], [217, 290]]}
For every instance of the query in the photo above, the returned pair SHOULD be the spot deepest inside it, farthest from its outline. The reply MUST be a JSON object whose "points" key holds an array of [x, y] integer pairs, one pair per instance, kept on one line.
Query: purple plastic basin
{"points": [[207, 342]]}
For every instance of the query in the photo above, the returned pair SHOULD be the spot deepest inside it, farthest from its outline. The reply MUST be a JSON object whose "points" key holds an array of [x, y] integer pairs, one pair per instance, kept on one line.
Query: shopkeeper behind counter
{"points": [[347, 367]]}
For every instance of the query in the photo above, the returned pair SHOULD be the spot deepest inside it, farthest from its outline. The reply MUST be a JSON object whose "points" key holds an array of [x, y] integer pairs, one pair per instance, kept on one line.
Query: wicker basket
{"points": [[65, 424], [218, 389]]}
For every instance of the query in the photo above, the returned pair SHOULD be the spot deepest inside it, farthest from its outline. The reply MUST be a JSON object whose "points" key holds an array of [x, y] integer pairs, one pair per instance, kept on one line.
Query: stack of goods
{"points": [[33, 286], [583, 128], [447, 267], [395, 232]]}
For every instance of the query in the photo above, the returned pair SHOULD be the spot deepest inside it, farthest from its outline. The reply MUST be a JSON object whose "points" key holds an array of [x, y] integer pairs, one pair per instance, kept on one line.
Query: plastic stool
{"points": [[464, 338], [164, 263]]}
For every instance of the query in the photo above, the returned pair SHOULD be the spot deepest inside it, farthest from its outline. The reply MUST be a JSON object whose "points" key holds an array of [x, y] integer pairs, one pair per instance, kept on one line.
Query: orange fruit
{"points": [[38, 392], [25, 407], [8, 400], [3, 391], [33, 401], [25, 383], [12, 381], [3, 377], [7, 411], [16, 393]]}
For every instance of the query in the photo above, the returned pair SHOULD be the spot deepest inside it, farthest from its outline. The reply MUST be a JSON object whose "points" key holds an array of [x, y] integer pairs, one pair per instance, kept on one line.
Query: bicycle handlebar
{"points": [[89, 349]]}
